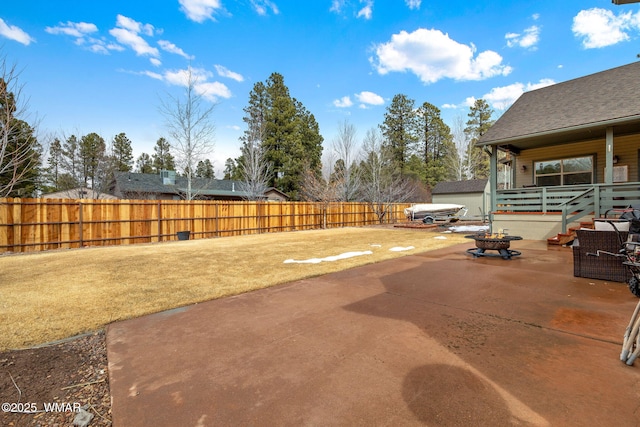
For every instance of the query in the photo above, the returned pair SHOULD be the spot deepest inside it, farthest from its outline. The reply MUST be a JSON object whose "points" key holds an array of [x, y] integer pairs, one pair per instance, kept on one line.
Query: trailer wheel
{"points": [[428, 220], [634, 286]]}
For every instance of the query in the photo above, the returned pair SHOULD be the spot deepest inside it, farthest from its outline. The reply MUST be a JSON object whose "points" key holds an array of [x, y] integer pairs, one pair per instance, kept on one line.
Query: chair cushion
{"points": [[607, 225]]}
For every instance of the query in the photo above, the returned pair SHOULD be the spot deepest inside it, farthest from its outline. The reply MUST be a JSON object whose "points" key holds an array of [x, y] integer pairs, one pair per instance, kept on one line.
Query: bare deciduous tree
{"points": [[456, 163], [382, 181], [189, 124], [255, 169], [346, 176], [323, 192], [19, 149]]}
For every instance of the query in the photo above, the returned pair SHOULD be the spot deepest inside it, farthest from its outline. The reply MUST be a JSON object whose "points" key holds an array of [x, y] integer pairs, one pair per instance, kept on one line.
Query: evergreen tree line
{"points": [[410, 150], [281, 147]]}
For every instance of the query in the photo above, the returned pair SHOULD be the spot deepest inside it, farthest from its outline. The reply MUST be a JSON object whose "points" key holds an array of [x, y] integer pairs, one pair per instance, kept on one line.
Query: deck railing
{"points": [[572, 202]]}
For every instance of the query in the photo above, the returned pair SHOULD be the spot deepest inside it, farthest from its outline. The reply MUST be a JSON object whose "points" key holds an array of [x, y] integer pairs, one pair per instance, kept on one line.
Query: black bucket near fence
{"points": [[183, 235]]}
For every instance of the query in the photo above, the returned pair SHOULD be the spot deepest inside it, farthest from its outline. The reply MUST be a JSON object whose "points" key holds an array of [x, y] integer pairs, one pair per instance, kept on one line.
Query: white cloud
{"points": [[367, 11], [528, 40], [98, 46], [127, 33], [155, 61], [153, 75], [262, 7], [600, 27], [134, 41], [208, 89], [336, 6], [73, 29], [359, 8], [413, 4], [432, 55], [172, 48], [369, 98], [200, 10], [225, 72], [213, 90], [15, 33], [81, 31], [134, 26], [344, 102], [501, 98]]}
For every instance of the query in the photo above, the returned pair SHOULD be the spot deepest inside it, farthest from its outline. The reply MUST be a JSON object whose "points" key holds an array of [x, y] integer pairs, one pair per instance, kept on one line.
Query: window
{"points": [[574, 171]]}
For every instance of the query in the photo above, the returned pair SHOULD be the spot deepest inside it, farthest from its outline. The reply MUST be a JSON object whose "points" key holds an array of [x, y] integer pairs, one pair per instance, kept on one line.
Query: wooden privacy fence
{"points": [[43, 224]]}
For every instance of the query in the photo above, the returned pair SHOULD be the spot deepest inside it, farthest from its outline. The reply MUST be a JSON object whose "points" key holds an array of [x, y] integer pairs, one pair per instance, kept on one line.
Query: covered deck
{"points": [[566, 153]]}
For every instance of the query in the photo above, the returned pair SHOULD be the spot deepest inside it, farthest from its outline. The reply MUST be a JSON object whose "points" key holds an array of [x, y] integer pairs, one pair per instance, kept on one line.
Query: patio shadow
{"points": [[453, 396]]}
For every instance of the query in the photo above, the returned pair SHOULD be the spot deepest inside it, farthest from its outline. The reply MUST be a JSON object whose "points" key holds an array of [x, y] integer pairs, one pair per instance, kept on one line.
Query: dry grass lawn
{"points": [[53, 295]]}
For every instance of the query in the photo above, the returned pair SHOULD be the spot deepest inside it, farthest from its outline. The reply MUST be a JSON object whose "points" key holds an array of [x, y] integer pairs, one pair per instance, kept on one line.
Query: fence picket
{"points": [[28, 225]]}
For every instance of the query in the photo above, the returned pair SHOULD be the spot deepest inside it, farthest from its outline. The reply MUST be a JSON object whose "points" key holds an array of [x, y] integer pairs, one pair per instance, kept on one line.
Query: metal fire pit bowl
{"points": [[498, 243]]}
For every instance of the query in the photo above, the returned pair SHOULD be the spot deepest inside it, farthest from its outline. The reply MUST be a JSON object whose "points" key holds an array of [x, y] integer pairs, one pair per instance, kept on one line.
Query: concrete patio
{"points": [[438, 338]]}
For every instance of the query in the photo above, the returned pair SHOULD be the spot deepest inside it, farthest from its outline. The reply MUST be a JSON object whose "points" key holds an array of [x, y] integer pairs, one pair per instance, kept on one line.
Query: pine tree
{"points": [[70, 164], [399, 129], [144, 164], [435, 142], [477, 125], [92, 155], [289, 135], [54, 166], [205, 169], [122, 153], [162, 158], [230, 169]]}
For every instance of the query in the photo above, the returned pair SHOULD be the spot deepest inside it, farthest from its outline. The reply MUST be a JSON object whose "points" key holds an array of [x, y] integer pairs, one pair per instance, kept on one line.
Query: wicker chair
{"points": [[604, 267]]}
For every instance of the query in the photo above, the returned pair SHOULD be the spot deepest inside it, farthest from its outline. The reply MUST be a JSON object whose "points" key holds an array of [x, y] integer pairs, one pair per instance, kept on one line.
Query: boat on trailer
{"points": [[431, 212]]}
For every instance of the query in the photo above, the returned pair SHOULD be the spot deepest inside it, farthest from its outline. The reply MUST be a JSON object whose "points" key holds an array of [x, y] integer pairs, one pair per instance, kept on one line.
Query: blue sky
{"points": [[103, 66]]}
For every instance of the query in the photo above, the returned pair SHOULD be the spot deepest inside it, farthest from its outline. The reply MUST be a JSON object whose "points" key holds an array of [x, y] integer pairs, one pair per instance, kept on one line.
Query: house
{"points": [[572, 150], [169, 186], [473, 194], [78, 193]]}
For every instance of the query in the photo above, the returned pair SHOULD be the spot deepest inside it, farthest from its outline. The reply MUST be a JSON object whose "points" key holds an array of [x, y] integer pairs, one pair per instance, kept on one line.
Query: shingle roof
{"points": [[607, 98], [152, 183], [453, 187]]}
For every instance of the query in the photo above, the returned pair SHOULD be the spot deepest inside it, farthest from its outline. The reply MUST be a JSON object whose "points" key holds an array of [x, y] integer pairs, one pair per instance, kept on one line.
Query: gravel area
{"points": [[45, 386]]}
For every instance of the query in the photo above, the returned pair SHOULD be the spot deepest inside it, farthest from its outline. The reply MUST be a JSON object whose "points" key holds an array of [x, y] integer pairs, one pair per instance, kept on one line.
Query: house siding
{"points": [[625, 147], [472, 201]]}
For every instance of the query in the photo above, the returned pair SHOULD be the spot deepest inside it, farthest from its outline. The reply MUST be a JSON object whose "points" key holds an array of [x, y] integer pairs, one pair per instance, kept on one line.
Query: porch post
{"points": [[493, 179], [608, 168]]}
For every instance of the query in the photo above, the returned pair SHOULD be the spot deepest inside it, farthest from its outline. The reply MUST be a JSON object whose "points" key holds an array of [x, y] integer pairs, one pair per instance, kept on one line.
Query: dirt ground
{"points": [[71, 374]]}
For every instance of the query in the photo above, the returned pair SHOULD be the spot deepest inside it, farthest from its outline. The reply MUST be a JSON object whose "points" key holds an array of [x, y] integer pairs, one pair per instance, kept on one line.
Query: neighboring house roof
{"points": [[274, 190], [574, 110], [130, 182], [78, 193], [146, 183], [457, 187]]}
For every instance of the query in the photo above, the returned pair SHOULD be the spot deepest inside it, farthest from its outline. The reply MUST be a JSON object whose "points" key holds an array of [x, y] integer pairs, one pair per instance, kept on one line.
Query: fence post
{"points": [[81, 237], [159, 222]]}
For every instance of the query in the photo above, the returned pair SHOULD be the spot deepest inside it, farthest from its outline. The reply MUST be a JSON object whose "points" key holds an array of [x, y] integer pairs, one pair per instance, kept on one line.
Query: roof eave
{"points": [[580, 131]]}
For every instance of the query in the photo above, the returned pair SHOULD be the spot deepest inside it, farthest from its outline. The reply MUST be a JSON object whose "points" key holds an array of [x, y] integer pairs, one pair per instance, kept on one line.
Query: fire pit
{"points": [[498, 241]]}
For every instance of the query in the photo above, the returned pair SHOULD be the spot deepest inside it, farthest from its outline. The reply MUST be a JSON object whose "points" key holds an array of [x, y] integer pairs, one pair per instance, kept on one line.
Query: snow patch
{"points": [[440, 238], [466, 228], [400, 249], [327, 259]]}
